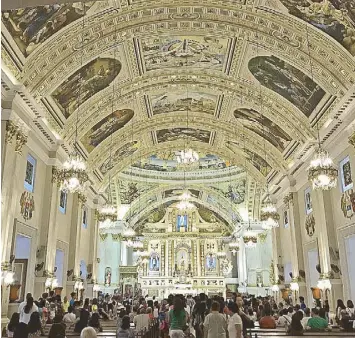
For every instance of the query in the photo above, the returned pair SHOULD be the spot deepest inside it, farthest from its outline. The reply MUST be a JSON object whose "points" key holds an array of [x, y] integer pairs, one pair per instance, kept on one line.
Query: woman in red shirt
{"points": [[267, 321]]}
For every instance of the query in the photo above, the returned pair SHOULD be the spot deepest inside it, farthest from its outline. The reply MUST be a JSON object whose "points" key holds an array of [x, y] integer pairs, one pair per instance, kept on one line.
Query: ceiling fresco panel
{"points": [[108, 125], [179, 101], [86, 82], [30, 27], [173, 134], [335, 18], [125, 151], [178, 51], [264, 127], [288, 81]]}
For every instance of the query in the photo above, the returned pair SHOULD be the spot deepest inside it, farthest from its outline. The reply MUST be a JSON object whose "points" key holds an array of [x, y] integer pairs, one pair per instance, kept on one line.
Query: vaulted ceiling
{"points": [[243, 81]]}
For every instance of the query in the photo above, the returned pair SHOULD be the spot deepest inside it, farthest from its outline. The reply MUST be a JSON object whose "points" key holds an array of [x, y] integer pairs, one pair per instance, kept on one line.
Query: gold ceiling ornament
{"points": [[116, 237], [269, 215], [288, 199], [107, 213]]}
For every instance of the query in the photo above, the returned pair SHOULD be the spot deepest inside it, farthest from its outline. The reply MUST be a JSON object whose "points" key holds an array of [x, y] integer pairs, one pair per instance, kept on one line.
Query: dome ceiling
{"points": [[235, 80]]}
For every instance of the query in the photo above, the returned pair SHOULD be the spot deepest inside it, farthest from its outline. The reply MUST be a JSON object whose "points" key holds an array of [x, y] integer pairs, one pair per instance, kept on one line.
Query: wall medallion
{"points": [[310, 225], [27, 204]]}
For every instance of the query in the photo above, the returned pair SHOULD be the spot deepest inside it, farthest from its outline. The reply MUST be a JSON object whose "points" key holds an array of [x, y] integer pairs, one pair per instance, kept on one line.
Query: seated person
{"points": [[70, 317], [296, 328], [316, 323], [94, 322], [307, 315], [267, 321], [284, 319]]}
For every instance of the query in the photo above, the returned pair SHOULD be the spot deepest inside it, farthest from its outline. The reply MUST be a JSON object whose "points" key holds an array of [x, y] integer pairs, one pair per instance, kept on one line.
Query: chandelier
{"points": [[321, 171], [249, 238], [221, 254], [128, 236], [73, 176], [233, 247], [107, 213], [269, 215], [184, 205]]}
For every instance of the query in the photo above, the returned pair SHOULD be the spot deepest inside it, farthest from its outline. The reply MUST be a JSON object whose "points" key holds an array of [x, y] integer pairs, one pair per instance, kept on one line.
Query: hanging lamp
{"points": [[321, 171], [72, 176], [249, 238], [108, 213], [269, 215]]}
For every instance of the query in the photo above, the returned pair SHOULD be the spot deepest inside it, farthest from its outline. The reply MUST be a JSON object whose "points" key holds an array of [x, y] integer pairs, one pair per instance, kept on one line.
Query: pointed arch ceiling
{"points": [[253, 84]]}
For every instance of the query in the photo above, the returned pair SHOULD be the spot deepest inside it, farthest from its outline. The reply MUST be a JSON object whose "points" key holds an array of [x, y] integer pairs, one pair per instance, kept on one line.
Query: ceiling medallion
{"points": [[269, 215], [321, 171], [73, 174]]}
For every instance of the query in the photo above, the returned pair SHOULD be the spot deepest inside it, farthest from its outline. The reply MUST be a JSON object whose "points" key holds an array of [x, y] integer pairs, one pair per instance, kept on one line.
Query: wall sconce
{"points": [[76, 285], [324, 284], [54, 283], [96, 288], [81, 286]]}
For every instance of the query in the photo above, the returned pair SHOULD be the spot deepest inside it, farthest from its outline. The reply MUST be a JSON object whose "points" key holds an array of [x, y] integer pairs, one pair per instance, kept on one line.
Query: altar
{"points": [[184, 253]]}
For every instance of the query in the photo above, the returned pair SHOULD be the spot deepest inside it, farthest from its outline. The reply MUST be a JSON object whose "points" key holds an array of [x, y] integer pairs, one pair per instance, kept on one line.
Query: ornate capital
{"points": [[288, 199], [82, 198], [56, 176], [13, 131], [116, 237], [103, 236], [352, 139]]}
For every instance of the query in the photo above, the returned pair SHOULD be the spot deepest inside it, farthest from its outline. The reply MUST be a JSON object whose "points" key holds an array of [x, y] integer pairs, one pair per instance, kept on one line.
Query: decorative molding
{"points": [[288, 199], [14, 131], [103, 236]]}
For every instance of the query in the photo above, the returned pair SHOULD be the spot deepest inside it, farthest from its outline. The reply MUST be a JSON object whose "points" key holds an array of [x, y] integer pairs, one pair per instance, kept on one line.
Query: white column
{"points": [[77, 235], [242, 265], [52, 230], [95, 249], [167, 246], [198, 258]]}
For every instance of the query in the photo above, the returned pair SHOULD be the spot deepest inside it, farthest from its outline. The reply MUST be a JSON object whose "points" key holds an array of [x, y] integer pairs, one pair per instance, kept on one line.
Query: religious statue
{"points": [[211, 262], [108, 276], [181, 223], [154, 262]]}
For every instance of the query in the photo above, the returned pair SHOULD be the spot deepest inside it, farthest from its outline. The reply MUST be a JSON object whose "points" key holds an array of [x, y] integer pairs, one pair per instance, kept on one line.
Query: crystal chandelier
{"points": [[184, 205], [321, 171], [221, 254], [187, 156], [107, 213], [73, 174], [269, 215], [128, 237], [249, 238], [233, 247]]}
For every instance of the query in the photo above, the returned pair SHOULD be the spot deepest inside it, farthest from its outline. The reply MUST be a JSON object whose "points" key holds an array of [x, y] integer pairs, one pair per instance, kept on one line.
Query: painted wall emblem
{"points": [[27, 204], [310, 225], [347, 203]]}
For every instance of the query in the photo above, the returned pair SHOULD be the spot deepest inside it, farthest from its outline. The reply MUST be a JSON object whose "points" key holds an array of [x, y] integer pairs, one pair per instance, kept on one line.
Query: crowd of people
{"points": [[175, 317]]}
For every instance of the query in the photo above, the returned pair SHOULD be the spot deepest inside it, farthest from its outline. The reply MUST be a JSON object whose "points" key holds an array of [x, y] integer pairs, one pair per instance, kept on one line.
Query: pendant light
{"points": [[249, 238], [321, 171], [108, 213], [72, 176]]}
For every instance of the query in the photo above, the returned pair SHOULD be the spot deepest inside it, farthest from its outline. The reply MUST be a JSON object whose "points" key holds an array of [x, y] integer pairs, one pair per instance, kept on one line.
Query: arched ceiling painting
{"points": [[236, 81]]}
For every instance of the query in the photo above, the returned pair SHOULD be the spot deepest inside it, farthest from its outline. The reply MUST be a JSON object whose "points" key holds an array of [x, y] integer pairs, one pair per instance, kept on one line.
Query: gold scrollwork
{"points": [[103, 237], [352, 139], [14, 132], [288, 199], [11, 130], [21, 140], [116, 237]]}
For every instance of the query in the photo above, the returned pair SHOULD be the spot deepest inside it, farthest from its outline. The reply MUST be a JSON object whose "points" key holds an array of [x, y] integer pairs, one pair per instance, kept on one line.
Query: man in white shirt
{"points": [[70, 317], [141, 321], [284, 320]]}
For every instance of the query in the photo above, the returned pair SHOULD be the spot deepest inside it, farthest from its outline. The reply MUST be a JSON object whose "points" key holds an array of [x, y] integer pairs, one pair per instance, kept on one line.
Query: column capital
{"points": [[352, 139]]}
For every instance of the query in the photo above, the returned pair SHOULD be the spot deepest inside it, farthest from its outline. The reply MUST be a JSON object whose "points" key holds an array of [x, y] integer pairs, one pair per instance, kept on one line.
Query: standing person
{"points": [[177, 319], [72, 299], [34, 326], [141, 321], [198, 317], [27, 310], [65, 305], [302, 303], [15, 319], [215, 324], [23, 304], [235, 324], [124, 331]]}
